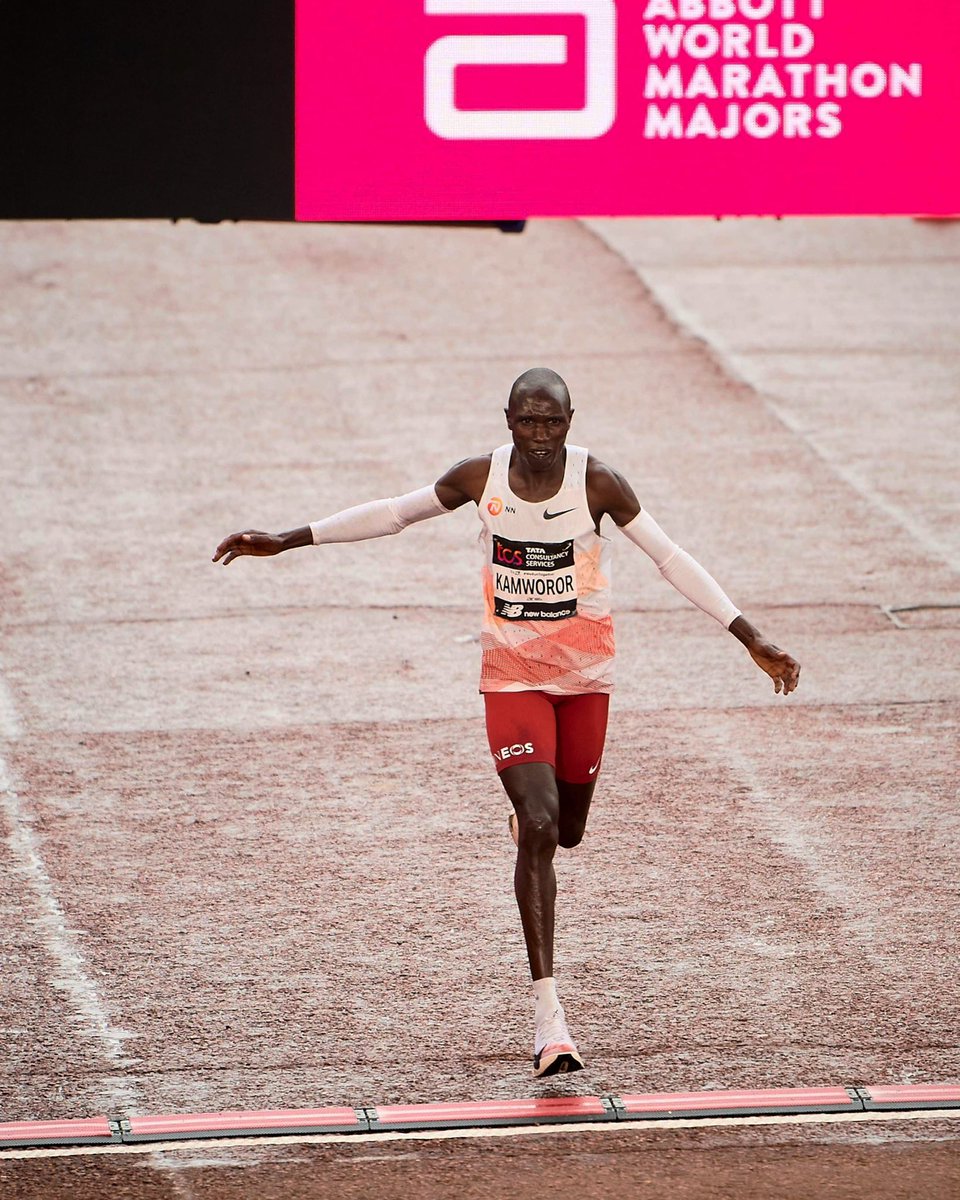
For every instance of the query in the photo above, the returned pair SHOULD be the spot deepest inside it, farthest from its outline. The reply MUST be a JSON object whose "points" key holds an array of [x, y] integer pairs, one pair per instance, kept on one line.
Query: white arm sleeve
{"points": [[378, 518], [678, 568]]}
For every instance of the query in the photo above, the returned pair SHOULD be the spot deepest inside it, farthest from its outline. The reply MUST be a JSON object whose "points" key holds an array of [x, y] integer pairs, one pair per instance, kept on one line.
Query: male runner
{"points": [[547, 641]]}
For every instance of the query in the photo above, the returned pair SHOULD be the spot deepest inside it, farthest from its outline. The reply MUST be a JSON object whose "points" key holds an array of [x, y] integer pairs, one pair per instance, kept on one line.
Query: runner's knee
{"points": [[574, 809], [571, 833], [532, 788], [538, 831]]}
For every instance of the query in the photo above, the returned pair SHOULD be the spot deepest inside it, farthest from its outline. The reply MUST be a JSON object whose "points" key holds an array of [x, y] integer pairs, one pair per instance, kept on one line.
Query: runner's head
{"points": [[538, 416]]}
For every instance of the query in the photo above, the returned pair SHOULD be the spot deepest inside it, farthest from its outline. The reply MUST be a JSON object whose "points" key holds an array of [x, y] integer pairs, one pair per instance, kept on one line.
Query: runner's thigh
{"points": [[581, 732], [521, 728]]}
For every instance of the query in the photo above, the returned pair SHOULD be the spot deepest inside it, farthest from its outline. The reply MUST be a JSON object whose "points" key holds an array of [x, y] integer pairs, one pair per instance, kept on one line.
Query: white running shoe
{"points": [[554, 1050]]}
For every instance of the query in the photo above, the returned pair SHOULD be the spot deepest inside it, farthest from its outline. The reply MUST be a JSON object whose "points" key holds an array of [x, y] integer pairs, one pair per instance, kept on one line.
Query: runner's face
{"points": [[539, 424]]}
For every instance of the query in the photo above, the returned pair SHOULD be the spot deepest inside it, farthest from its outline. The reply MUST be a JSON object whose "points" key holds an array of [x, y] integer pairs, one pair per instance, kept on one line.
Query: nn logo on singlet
{"points": [[495, 506]]}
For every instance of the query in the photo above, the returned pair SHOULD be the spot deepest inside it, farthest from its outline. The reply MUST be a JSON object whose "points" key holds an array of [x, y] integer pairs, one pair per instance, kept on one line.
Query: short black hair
{"points": [[540, 379]]}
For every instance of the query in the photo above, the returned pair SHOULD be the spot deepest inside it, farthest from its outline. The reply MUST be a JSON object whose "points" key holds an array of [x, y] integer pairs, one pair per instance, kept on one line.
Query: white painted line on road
{"points": [[174, 1171], [446, 1135], [9, 721], [740, 367], [70, 976], [921, 533], [856, 909]]}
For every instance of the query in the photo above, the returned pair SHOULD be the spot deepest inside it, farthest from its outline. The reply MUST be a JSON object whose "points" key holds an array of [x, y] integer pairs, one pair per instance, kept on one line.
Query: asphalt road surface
{"points": [[253, 852]]}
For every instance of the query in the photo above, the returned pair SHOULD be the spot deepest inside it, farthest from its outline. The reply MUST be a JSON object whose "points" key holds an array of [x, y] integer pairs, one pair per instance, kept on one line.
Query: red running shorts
{"points": [[565, 731]]}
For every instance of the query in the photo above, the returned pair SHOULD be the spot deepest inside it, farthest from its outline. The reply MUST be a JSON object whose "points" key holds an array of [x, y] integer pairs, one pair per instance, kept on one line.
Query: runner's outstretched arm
{"points": [[378, 518], [611, 494]]}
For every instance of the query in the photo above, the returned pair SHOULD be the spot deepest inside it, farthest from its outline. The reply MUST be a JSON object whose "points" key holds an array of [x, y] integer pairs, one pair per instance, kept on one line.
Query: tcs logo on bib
{"points": [[446, 54], [511, 556]]}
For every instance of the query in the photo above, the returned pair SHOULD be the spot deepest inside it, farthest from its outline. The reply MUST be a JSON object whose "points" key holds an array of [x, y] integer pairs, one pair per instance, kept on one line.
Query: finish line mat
{"points": [[653, 1106]]}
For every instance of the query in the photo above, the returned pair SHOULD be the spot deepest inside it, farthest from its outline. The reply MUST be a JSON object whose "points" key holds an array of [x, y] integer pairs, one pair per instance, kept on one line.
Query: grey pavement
{"points": [[233, 788], [850, 331]]}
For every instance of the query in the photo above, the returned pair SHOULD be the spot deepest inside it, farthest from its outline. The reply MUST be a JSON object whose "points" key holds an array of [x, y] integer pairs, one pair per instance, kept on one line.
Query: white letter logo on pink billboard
{"points": [[443, 57]]}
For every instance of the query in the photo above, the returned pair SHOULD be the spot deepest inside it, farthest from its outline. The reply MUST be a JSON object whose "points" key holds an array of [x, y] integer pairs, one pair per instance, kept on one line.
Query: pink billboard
{"points": [[501, 109]]}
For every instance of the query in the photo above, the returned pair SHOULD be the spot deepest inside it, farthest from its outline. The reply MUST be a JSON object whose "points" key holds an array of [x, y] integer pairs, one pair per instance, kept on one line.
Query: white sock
{"points": [[548, 1002]]}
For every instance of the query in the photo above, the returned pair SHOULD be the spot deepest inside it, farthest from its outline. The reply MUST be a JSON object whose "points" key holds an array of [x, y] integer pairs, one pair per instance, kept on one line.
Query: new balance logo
{"points": [[512, 611]]}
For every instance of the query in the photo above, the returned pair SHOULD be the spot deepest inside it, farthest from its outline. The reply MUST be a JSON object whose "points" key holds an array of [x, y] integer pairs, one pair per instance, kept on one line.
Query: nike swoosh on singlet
{"points": [[549, 516]]}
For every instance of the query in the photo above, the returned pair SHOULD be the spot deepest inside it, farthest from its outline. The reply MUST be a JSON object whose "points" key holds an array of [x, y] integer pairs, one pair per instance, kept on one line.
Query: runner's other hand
{"points": [[780, 666], [251, 541]]}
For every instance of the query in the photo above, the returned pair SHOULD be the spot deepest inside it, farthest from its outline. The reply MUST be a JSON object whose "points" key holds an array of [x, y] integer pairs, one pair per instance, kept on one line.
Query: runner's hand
{"points": [[782, 669], [251, 541]]}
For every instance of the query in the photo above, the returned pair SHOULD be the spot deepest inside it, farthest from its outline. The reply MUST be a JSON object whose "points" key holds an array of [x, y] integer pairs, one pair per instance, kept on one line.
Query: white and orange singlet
{"points": [[546, 587]]}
